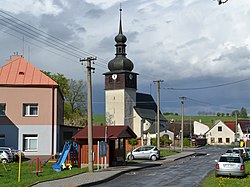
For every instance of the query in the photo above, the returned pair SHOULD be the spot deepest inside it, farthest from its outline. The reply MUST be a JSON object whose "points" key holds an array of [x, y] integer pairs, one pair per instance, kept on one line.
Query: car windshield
{"points": [[236, 151], [230, 159], [229, 151]]}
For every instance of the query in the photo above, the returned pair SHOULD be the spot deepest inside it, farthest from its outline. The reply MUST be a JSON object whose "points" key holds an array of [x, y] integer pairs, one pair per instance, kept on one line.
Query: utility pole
{"points": [[182, 120], [90, 123], [158, 112]]}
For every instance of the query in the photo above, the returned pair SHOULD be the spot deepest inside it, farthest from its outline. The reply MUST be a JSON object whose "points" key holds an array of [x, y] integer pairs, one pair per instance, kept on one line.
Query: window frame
{"points": [[220, 140], [29, 137], [219, 128], [212, 139], [2, 139], [27, 109], [3, 110]]}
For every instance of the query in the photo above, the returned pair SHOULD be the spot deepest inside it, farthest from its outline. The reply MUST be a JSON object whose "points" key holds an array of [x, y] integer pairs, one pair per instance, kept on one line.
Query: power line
{"points": [[207, 87], [206, 103], [45, 38]]}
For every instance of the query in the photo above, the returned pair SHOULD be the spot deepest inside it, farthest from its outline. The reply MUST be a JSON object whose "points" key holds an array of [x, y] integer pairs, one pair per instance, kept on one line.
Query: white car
{"points": [[5, 156], [230, 165], [13, 153], [144, 152]]}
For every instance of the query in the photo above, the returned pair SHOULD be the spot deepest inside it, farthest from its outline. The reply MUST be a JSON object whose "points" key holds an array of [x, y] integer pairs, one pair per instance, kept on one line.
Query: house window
{"points": [[2, 109], [30, 109], [219, 140], [212, 140], [2, 140], [227, 140], [30, 142], [220, 128]]}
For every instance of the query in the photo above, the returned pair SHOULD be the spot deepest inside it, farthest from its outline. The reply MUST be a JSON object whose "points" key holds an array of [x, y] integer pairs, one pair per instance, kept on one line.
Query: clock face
{"points": [[114, 76], [130, 76]]}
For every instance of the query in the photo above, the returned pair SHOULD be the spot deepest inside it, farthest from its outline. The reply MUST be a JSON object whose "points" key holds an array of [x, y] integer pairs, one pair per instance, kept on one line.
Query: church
{"points": [[124, 105]]}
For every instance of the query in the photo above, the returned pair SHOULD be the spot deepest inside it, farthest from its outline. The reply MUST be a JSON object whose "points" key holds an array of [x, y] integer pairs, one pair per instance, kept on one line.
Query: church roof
{"points": [[146, 107], [18, 72]]}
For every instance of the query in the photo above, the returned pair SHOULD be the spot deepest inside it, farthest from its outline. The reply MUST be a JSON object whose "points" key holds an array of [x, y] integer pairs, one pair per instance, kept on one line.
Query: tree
{"points": [[235, 112], [75, 106], [243, 112], [132, 142]]}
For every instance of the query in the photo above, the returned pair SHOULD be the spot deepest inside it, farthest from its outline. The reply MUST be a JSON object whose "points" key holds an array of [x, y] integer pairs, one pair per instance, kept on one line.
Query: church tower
{"points": [[120, 85]]}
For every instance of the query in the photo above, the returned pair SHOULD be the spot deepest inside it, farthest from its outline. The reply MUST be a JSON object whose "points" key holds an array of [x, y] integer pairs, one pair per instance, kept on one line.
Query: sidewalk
{"points": [[101, 176]]}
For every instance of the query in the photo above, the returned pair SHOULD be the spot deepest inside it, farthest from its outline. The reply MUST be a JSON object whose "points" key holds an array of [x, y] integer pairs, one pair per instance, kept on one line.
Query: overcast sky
{"points": [[199, 48]]}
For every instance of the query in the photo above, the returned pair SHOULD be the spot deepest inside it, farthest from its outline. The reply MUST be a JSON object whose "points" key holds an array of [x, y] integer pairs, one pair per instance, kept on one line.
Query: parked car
{"points": [[9, 151], [5, 156], [234, 151], [243, 151], [14, 153], [144, 152], [230, 165], [248, 152]]}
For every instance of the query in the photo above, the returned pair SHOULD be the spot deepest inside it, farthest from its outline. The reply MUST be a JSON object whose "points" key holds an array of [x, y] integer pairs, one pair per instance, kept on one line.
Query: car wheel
{"points": [[4, 161], [130, 157], [153, 157]]}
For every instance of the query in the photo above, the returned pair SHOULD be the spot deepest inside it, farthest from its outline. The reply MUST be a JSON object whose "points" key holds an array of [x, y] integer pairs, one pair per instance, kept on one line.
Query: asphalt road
{"points": [[186, 172]]}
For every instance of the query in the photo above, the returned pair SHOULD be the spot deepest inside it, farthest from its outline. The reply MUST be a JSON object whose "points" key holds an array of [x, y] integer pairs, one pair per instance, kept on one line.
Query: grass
{"points": [[212, 181], [167, 153], [99, 119], [208, 120], [10, 178]]}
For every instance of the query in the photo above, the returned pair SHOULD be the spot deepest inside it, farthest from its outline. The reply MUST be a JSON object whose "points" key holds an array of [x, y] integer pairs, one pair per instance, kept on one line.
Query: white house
{"points": [[200, 128], [220, 134]]}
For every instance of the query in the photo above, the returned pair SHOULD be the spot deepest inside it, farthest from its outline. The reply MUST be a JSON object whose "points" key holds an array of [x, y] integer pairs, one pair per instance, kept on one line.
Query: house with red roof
{"points": [[31, 109], [221, 134]]}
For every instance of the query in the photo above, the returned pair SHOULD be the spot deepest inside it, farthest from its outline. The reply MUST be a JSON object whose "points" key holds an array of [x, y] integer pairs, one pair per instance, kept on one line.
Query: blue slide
{"points": [[58, 166]]}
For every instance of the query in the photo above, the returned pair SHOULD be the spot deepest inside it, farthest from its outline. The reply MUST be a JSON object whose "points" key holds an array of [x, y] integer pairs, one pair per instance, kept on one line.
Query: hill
{"points": [[208, 120]]}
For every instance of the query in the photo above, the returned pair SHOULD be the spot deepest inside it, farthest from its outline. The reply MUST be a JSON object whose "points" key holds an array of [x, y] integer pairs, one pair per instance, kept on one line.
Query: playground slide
{"points": [[58, 166]]}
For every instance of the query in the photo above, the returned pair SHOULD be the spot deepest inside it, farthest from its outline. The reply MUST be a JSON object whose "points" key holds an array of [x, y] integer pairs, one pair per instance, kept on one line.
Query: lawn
{"points": [[10, 178], [208, 120], [164, 153], [212, 181]]}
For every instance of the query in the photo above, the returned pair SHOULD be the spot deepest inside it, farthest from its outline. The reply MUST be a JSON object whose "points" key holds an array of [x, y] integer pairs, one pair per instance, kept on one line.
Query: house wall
{"points": [[200, 128], [215, 134], [21, 125], [137, 125]]}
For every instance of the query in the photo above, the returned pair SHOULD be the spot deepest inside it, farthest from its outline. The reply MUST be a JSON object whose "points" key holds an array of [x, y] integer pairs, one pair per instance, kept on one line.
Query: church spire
{"points": [[120, 62], [120, 27]]}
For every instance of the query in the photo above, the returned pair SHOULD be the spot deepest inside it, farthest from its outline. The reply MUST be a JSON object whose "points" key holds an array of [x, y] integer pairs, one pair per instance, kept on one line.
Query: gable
{"points": [[224, 129], [18, 72]]}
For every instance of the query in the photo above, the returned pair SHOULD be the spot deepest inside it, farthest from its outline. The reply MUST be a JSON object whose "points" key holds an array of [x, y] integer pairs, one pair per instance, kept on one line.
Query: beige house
{"points": [[31, 109], [220, 134]]}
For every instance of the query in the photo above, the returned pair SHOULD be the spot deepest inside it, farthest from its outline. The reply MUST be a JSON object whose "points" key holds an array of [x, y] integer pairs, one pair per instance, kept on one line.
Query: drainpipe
{"points": [[53, 123]]}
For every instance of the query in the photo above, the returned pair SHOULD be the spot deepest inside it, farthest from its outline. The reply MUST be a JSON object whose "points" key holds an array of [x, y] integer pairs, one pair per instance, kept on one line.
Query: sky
{"points": [[198, 48]]}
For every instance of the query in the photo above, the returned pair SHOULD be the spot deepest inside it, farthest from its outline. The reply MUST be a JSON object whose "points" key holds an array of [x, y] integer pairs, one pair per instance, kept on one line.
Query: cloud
{"points": [[104, 4], [42, 7], [94, 13]]}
